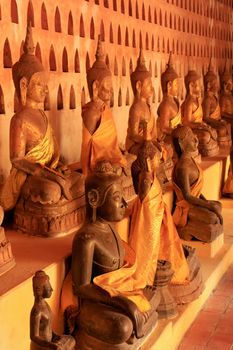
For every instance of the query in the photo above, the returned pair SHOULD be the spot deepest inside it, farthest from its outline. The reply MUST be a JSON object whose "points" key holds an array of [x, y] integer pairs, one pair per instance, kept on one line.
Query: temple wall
{"points": [[65, 36]]}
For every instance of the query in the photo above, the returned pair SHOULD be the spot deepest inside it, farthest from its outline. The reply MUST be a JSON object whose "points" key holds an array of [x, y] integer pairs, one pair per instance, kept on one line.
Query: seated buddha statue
{"points": [[192, 116], [41, 333], [99, 136], [226, 98], [153, 228], [211, 108], [194, 216], [37, 175], [116, 309], [141, 117]]}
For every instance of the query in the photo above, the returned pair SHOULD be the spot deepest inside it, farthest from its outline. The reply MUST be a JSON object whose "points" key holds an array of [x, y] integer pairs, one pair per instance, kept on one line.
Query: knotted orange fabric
{"points": [[180, 215], [102, 145], [44, 153]]}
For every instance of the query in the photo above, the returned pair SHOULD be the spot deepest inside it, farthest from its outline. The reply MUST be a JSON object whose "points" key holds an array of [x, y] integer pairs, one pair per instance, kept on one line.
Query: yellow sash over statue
{"points": [[180, 215], [102, 145], [216, 114], [176, 120], [45, 151], [197, 115]]}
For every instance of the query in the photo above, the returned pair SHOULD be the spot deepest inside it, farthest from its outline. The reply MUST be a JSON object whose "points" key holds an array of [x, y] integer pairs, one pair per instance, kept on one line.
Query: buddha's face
{"points": [[228, 85], [174, 87], [47, 290], [113, 208], [213, 85], [37, 87], [105, 90], [190, 142], [195, 87], [147, 88]]}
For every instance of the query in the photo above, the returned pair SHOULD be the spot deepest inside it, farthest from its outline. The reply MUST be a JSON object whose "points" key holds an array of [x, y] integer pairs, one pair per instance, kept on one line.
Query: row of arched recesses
{"points": [[157, 16], [163, 46]]}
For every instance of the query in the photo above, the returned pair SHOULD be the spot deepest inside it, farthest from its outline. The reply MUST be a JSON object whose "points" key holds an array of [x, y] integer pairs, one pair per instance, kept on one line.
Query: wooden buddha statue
{"points": [[37, 179], [192, 116], [211, 108], [41, 333], [226, 98], [7, 260], [194, 216], [116, 310]]}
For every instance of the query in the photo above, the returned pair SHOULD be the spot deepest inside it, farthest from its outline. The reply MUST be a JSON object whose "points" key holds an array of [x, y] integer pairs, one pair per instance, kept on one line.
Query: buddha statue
{"points": [[192, 116], [39, 187], [211, 108], [226, 98], [41, 333], [142, 120], [153, 228], [7, 261], [169, 112], [194, 216], [116, 309]]}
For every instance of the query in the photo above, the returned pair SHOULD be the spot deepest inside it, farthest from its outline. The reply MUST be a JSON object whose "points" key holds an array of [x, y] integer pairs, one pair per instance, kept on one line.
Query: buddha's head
{"points": [[104, 194], [169, 79], [184, 140], [41, 285], [210, 80], [141, 81], [99, 78], [29, 77], [144, 167], [226, 80], [192, 83]]}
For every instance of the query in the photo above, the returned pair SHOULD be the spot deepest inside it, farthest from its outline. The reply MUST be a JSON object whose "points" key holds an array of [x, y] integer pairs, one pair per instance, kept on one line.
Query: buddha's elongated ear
{"points": [[138, 86], [95, 89], [23, 86], [93, 200]]}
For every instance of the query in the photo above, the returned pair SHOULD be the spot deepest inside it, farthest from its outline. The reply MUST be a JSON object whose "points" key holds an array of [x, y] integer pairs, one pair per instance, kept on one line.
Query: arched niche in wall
{"points": [[30, 14], [81, 27], [150, 67], [52, 59], [136, 10], [65, 67], [14, 12], [111, 39], [140, 39], [130, 8], [143, 12], [76, 62], [107, 62], [83, 97], [155, 16], [2, 104], [127, 98], [122, 6], [119, 35], [102, 31], [70, 24], [72, 98], [106, 4], [88, 64], [92, 29], [114, 5], [57, 20], [156, 70], [38, 52], [7, 59], [130, 66], [115, 67], [153, 97], [149, 15], [134, 39], [123, 67], [126, 37], [119, 98], [59, 98], [152, 43], [44, 18], [47, 101], [147, 42]]}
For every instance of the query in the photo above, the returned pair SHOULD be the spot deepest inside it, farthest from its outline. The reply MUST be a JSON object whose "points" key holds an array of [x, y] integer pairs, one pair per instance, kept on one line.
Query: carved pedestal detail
{"points": [[52, 220], [7, 260], [167, 307]]}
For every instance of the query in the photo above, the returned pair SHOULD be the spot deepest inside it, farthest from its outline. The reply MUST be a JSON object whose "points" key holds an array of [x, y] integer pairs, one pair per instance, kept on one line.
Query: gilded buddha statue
{"points": [[226, 98], [116, 307], [41, 333], [194, 216], [38, 181], [211, 108], [192, 116], [142, 119]]}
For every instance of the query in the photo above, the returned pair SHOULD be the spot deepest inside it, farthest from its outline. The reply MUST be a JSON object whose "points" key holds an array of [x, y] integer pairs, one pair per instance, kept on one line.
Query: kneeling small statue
{"points": [[115, 309], [194, 216], [41, 333]]}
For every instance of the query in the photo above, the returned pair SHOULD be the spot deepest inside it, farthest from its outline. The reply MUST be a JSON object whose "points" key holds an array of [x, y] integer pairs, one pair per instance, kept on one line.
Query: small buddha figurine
{"points": [[226, 98], [169, 112], [41, 333], [7, 260], [37, 175], [211, 108], [115, 308], [192, 116], [141, 118], [194, 216], [99, 137]]}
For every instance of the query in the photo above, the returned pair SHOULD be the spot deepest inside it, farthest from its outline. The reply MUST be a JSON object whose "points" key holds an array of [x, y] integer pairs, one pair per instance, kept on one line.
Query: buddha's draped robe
{"points": [[180, 215], [197, 115], [44, 153], [102, 145], [216, 114]]}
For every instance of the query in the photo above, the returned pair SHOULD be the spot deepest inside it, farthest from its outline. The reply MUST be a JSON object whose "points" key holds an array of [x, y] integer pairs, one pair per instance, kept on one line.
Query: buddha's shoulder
{"points": [[90, 109], [88, 232]]}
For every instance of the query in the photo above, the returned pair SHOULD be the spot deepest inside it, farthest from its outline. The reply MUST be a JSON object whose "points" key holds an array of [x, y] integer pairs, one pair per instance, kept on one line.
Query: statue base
{"points": [[7, 261], [52, 220], [185, 293]]}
